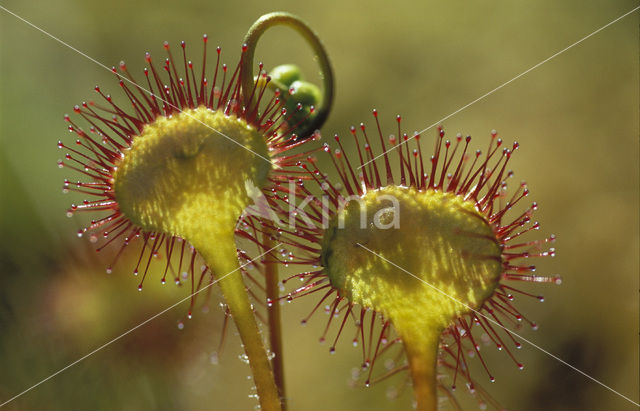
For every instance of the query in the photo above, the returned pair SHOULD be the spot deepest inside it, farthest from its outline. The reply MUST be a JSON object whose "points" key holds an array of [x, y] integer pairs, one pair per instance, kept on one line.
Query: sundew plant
{"points": [[234, 176], [180, 170]]}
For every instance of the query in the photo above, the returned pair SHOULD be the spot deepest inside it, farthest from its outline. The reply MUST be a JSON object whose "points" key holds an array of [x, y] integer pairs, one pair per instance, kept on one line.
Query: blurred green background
{"points": [[576, 118]]}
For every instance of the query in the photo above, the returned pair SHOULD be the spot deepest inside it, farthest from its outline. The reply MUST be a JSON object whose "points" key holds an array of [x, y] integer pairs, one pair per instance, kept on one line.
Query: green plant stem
{"points": [[290, 20], [320, 116], [274, 318], [423, 367], [221, 256]]}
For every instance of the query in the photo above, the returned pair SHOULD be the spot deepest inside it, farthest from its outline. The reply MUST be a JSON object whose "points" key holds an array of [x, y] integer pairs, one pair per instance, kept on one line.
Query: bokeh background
{"points": [[576, 118]]}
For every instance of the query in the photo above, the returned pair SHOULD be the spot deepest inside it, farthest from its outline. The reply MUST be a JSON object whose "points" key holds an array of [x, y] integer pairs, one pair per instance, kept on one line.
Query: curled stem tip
{"points": [[286, 19]]}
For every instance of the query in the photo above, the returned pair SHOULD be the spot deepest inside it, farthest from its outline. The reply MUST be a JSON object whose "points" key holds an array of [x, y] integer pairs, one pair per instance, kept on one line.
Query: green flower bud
{"points": [[305, 93], [285, 74]]}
